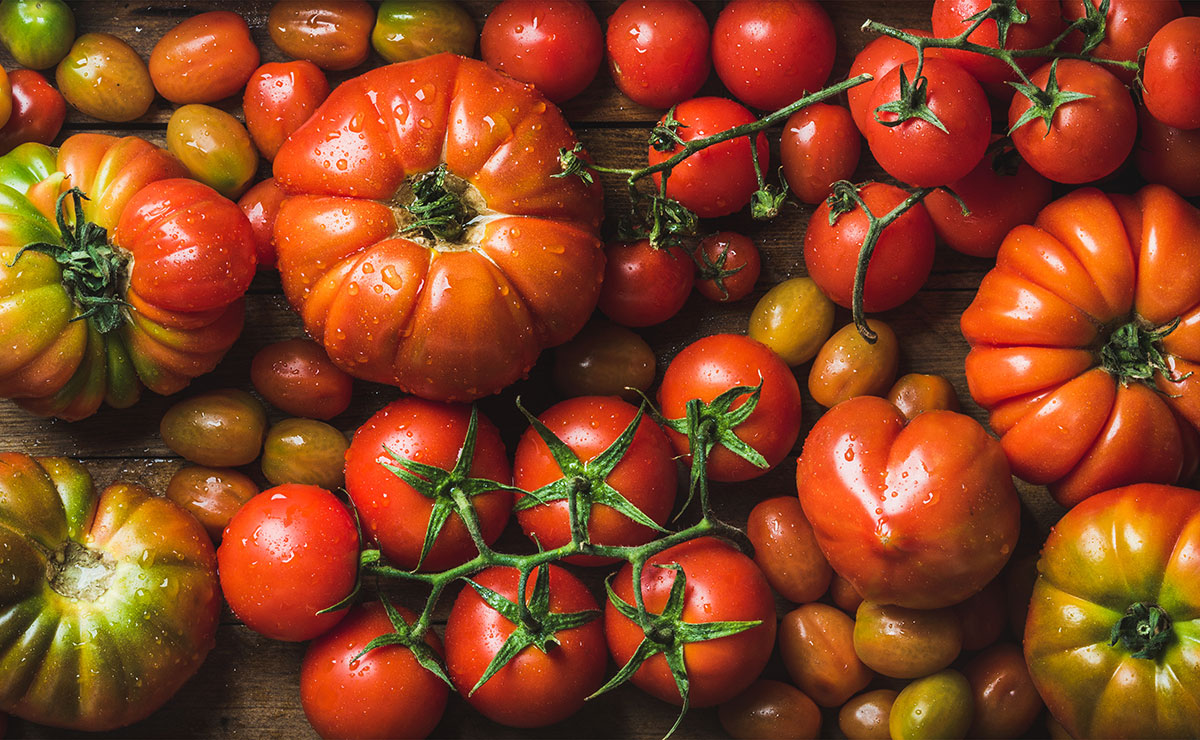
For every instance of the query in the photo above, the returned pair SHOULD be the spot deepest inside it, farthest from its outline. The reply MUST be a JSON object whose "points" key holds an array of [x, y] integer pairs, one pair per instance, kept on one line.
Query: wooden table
{"points": [[249, 685]]}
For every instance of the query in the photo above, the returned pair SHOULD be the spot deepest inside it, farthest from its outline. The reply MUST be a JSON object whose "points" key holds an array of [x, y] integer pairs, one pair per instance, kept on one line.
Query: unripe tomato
{"points": [[816, 642], [103, 77], [38, 33], [728, 265], [38, 111], [820, 146], [847, 366], [916, 393], [411, 29], [604, 360], [332, 35], [937, 706], [304, 451], [297, 377], [261, 205], [906, 643], [280, 97], [794, 319], [865, 717], [658, 50], [770, 710], [786, 551], [221, 428], [214, 146], [6, 98], [204, 59], [212, 495]]}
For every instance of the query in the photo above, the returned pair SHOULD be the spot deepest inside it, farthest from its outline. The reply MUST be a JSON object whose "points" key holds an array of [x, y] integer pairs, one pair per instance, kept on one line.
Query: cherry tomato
{"points": [[333, 36], [771, 52], [658, 50], [1171, 74], [793, 319], [297, 377], [937, 706], [1164, 155], [719, 180], [1088, 138], [906, 643], [1128, 27], [770, 710], [820, 146], [555, 45], [1019, 578], [411, 29], [903, 255], [1006, 701], [983, 616], [877, 59], [38, 111], [221, 428], [816, 642], [713, 365], [604, 360], [214, 146], [645, 285], [103, 77], [847, 366], [952, 17], [729, 265], [37, 34], [865, 717], [261, 205], [385, 693], [916, 393], [304, 451], [844, 594], [204, 59], [786, 551], [212, 495], [288, 553], [280, 97]]}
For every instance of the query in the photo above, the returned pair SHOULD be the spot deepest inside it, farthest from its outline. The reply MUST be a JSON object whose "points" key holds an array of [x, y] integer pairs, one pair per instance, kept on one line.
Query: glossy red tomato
{"points": [[820, 146], [876, 59], [555, 45], [203, 59], [728, 266], [333, 36], [719, 180], [297, 377], [261, 206], [951, 17], [38, 111], [280, 96], [645, 285], [770, 52], [1171, 74], [1163, 155], [715, 364], [288, 553], [658, 50], [1128, 27]]}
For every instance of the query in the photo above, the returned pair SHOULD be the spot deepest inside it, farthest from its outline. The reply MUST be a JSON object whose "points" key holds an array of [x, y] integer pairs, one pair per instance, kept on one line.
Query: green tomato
{"points": [[937, 707], [304, 451], [38, 33], [411, 29], [214, 146]]}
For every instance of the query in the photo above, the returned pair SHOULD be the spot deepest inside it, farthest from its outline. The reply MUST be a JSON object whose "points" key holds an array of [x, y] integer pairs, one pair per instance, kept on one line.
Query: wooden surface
{"points": [[249, 685]]}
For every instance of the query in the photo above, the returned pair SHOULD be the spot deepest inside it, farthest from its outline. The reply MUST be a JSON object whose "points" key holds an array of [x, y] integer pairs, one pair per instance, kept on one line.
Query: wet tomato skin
{"points": [[304, 451], [604, 359], [297, 377], [906, 643], [334, 36], [222, 428], [770, 710], [103, 77], [204, 59], [816, 642], [212, 495], [786, 551], [261, 205], [865, 717], [820, 146]]}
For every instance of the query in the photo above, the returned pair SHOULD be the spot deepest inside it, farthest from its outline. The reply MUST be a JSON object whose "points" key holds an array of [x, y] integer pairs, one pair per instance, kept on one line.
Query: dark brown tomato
{"points": [[844, 594], [906, 643], [865, 717], [212, 495], [604, 360], [786, 550], [983, 616], [1019, 576], [222, 428], [305, 451], [1006, 701], [297, 377], [770, 710], [816, 642]]}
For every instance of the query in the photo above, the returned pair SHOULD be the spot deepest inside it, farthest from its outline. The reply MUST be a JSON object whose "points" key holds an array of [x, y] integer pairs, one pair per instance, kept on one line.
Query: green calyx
{"points": [[1133, 354], [665, 135], [408, 636], [93, 270], [1145, 631], [437, 209], [912, 103], [714, 270], [1044, 103], [1005, 13], [1093, 25]]}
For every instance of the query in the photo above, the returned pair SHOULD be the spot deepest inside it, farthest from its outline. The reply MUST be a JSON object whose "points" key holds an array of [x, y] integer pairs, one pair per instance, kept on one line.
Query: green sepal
{"points": [[1005, 13], [665, 135], [405, 635], [436, 209], [1144, 630], [912, 103], [572, 163], [1044, 103]]}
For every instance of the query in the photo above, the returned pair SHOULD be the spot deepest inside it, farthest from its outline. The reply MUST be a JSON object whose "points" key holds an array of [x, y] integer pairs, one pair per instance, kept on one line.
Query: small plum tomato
{"points": [[334, 36], [768, 710], [411, 29], [917, 393], [906, 643], [297, 377], [214, 146], [816, 642], [203, 59], [103, 77], [304, 451], [38, 111], [261, 205], [793, 319], [786, 550], [220, 428], [212, 495], [849, 366], [604, 359], [279, 98]]}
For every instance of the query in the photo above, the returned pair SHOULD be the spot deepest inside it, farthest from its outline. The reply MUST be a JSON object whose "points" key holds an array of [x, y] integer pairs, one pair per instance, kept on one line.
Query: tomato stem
{"points": [[1133, 354], [1145, 630]]}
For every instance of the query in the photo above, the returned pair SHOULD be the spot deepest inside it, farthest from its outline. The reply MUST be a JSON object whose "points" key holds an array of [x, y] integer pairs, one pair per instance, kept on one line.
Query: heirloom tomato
{"points": [[109, 602], [161, 289], [204, 59], [554, 45], [38, 111], [920, 514], [103, 77], [222, 428], [212, 495], [1171, 74], [261, 205], [411, 29], [281, 96], [214, 147], [332, 35], [296, 376], [727, 266], [1084, 338], [770, 710], [820, 146], [1113, 635], [643, 284], [951, 17], [604, 360], [658, 50], [304, 451], [38, 33], [816, 643], [457, 302], [1128, 27]]}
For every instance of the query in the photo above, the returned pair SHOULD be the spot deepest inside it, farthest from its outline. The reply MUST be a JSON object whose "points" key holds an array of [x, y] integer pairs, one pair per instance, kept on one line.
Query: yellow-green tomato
{"points": [[305, 451], [214, 146], [411, 29], [937, 707], [103, 77], [794, 319], [38, 33], [220, 429], [848, 366], [906, 643]]}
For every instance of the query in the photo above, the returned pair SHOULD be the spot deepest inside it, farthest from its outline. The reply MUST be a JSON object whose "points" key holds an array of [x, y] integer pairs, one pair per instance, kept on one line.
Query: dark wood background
{"points": [[249, 685]]}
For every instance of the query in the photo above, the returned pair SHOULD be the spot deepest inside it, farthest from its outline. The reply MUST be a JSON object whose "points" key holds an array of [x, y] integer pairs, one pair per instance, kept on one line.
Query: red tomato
{"points": [[1128, 27], [645, 285], [38, 111], [383, 694], [713, 365], [645, 476], [1164, 155], [261, 205], [555, 45], [396, 514], [918, 152], [820, 146], [719, 180], [903, 255], [203, 59], [658, 50], [876, 59], [280, 97], [771, 52], [333, 35], [542, 684], [1171, 74], [950, 18], [723, 585], [729, 265], [288, 553], [297, 377]]}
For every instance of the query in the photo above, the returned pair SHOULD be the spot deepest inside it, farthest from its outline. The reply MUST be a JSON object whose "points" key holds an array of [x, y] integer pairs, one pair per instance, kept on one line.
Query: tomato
{"points": [[952, 17], [715, 364], [843, 593], [786, 551], [1085, 139], [865, 717], [261, 205], [719, 180], [729, 265], [555, 45], [658, 50], [397, 514], [1171, 72], [1163, 155], [604, 360], [411, 29], [385, 693], [906, 643], [219, 428], [1128, 27], [937, 706], [38, 111], [295, 376], [900, 264], [37, 34], [103, 77], [770, 710], [288, 553], [215, 148], [1019, 578], [110, 601], [877, 59], [793, 318], [279, 98], [919, 514], [820, 146], [847, 366], [333, 36], [816, 643], [916, 393], [1071, 347], [203, 59], [212, 495], [722, 585], [645, 285], [434, 315], [771, 52], [643, 478], [1006, 701], [304, 451], [983, 616]]}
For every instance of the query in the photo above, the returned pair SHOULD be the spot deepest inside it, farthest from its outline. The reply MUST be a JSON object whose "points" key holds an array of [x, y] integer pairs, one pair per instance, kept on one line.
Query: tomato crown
{"points": [[410, 636]]}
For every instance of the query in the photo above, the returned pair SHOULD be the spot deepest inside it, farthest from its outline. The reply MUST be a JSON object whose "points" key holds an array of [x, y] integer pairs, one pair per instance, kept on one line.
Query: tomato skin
{"points": [[865, 717], [296, 376], [793, 318], [950, 525], [719, 180], [712, 365], [203, 59], [844, 594], [221, 428], [38, 111], [37, 34], [1006, 701], [645, 285], [816, 642], [740, 254], [214, 146], [334, 36], [935, 706], [983, 616], [604, 359], [411, 29], [261, 205], [770, 710], [212, 495], [279, 98], [769, 53], [658, 50], [1163, 155], [906, 643], [877, 59], [820, 146], [1172, 71], [1128, 27], [555, 45], [903, 255], [950, 19], [916, 393], [786, 551], [304, 451], [384, 694], [847, 366], [103, 77], [552, 686], [722, 585]]}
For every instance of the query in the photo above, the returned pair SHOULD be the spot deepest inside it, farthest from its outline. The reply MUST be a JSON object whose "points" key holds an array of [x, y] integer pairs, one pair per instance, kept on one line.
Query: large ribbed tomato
{"points": [[425, 240], [1084, 339]]}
